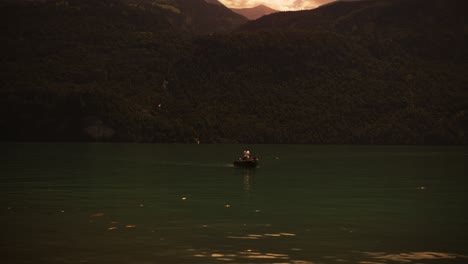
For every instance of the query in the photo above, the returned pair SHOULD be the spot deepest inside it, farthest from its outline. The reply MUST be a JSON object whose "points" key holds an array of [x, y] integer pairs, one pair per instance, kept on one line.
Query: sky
{"points": [[282, 5]]}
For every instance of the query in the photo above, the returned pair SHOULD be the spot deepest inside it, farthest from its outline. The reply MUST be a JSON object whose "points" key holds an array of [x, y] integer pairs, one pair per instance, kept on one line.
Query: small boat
{"points": [[247, 163]]}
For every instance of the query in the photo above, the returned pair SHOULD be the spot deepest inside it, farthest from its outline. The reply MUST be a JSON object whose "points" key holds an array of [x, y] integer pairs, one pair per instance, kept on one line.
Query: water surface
{"points": [[143, 203]]}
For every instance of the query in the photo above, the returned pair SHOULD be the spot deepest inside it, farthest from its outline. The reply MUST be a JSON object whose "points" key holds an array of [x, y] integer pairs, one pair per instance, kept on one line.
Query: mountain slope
{"points": [[417, 26], [255, 12], [337, 15], [194, 16], [203, 16], [380, 72]]}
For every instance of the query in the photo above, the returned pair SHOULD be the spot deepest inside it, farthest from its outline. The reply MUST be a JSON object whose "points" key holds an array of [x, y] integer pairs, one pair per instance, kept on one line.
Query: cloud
{"points": [[276, 4]]}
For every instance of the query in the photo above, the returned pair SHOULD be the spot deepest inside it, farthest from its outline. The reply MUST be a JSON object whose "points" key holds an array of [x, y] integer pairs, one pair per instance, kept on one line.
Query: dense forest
{"points": [[371, 72]]}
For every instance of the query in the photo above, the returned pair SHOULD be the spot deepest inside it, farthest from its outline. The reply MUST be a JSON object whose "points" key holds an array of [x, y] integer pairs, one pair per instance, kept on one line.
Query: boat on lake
{"points": [[246, 160], [247, 163]]}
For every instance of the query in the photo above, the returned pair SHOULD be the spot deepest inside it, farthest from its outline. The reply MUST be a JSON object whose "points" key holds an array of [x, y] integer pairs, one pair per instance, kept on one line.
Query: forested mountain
{"points": [[383, 71], [255, 12], [433, 27], [188, 16]]}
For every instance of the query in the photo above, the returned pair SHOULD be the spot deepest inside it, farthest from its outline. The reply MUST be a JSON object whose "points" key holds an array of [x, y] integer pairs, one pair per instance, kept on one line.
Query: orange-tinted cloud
{"points": [[276, 4]]}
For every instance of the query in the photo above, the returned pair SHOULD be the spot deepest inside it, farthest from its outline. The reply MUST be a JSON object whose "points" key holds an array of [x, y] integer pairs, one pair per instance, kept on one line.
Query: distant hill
{"points": [[207, 16], [365, 72], [255, 12], [215, 2]]}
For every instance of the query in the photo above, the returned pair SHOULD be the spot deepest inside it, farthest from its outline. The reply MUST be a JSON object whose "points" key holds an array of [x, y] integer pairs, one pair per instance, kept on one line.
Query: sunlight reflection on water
{"points": [[251, 255], [410, 256], [369, 257]]}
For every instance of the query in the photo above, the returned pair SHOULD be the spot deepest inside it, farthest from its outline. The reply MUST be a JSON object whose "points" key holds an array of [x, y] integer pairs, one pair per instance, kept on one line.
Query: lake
{"points": [[304, 204]]}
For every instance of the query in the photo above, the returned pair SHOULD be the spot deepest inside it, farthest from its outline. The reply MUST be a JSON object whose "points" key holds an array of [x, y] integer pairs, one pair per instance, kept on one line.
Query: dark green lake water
{"points": [[142, 204]]}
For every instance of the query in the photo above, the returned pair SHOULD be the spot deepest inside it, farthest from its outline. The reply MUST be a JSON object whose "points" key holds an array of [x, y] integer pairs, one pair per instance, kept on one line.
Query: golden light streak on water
{"points": [[410, 256]]}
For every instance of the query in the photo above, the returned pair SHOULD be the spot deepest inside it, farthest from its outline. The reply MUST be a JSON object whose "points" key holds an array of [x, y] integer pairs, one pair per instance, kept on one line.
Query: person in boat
{"points": [[246, 154]]}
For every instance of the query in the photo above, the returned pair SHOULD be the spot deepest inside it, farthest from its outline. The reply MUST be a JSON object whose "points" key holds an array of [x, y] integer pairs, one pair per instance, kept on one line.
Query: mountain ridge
{"points": [[256, 12], [194, 16]]}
